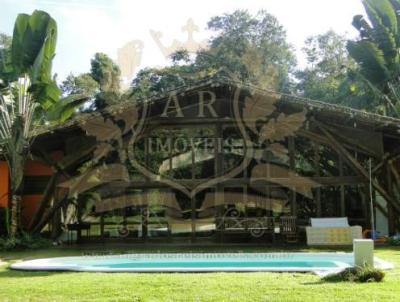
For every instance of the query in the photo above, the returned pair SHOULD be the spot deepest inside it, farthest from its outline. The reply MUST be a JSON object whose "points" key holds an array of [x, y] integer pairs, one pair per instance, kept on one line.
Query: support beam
{"points": [[44, 157], [391, 214], [365, 203], [315, 137], [292, 151], [395, 173], [386, 157], [318, 173], [342, 197], [44, 203], [359, 168], [375, 204], [49, 215], [117, 188], [144, 220]]}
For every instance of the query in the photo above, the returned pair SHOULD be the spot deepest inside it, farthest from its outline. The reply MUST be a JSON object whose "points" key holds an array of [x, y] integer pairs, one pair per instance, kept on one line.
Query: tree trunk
{"points": [[15, 215]]}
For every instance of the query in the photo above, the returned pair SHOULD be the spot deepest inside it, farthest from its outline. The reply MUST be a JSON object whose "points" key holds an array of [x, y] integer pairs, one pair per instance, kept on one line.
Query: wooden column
{"points": [[218, 152], [56, 226], [193, 217], [365, 204], [146, 159], [342, 195], [375, 206], [193, 199], [391, 214], [318, 173], [102, 226], [218, 169], [171, 171], [145, 215], [48, 195], [292, 163]]}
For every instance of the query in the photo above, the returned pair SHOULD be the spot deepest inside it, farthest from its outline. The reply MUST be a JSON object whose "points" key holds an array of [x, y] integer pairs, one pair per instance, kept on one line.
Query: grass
{"points": [[64, 286]]}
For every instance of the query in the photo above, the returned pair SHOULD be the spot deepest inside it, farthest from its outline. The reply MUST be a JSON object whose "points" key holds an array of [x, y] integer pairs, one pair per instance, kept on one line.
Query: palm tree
{"points": [[27, 90], [377, 51]]}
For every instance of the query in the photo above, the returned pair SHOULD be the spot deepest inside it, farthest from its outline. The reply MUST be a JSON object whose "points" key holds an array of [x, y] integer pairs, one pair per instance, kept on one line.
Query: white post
{"points": [[363, 250]]}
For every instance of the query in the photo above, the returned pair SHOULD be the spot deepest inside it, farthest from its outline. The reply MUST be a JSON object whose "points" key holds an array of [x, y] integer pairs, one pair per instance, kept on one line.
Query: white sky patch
{"points": [[89, 26]]}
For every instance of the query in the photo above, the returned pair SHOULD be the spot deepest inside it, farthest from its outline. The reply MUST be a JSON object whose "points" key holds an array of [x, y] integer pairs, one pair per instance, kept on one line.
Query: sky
{"points": [[89, 26]]}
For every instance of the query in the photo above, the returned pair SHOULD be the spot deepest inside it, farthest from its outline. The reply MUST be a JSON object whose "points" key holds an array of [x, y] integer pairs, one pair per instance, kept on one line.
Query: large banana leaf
{"points": [[46, 94], [33, 45], [65, 108], [383, 18], [382, 14], [32, 51], [396, 7], [362, 26], [371, 60]]}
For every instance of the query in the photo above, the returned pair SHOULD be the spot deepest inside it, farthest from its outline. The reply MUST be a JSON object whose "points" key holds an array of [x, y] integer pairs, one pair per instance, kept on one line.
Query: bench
{"points": [[332, 231]]}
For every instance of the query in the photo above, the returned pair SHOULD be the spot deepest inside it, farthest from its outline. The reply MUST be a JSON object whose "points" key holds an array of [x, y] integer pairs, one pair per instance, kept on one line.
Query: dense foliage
{"points": [[357, 274], [377, 53], [23, 241], [101, 84], [325, 76]]}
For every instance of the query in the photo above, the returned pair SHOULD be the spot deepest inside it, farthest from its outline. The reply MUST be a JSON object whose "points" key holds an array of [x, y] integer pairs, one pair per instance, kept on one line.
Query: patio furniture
{"points": [[332, 231], [288, 228], [254, 226]]}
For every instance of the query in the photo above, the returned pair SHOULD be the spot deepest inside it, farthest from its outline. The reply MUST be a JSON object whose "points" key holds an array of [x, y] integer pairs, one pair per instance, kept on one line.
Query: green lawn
{"points": [[57, 286]]}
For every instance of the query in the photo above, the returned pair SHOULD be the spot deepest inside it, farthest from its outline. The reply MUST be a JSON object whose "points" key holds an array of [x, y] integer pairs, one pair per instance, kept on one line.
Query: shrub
{"points": [[24, 241], [395, 240], [357, 274]]}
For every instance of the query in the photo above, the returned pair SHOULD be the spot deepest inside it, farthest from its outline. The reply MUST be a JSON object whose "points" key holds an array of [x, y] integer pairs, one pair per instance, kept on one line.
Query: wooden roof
{"points": [[333, 112]]}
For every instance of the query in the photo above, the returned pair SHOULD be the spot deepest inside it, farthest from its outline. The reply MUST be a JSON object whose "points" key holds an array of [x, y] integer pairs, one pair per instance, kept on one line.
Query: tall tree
{"points": [[105, 72], [101, 84], [377, 53], [251, 49], [5, 41], [149, 81], [5, 57], [81, 84], [325, 77]]}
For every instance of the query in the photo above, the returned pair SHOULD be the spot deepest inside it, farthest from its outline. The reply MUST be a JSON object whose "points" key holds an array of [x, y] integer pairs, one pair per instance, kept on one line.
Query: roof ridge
{"points": [[224, 81]]}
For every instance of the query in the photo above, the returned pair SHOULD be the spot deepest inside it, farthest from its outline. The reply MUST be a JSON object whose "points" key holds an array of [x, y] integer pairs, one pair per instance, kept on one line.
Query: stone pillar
{"points": [[363, 250]]}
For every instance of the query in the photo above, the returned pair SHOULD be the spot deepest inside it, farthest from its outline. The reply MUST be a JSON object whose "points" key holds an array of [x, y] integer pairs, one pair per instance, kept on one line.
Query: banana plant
{"points": [[27, 91], [377, 51]]}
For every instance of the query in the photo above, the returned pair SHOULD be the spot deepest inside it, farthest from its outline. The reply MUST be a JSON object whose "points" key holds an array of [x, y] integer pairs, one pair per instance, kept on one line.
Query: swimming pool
{"points": [[320, 263]]}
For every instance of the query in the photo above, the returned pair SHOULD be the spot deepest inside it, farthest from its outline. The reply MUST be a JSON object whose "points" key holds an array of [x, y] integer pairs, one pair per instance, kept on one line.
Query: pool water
{"points": [[199, 262]]}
